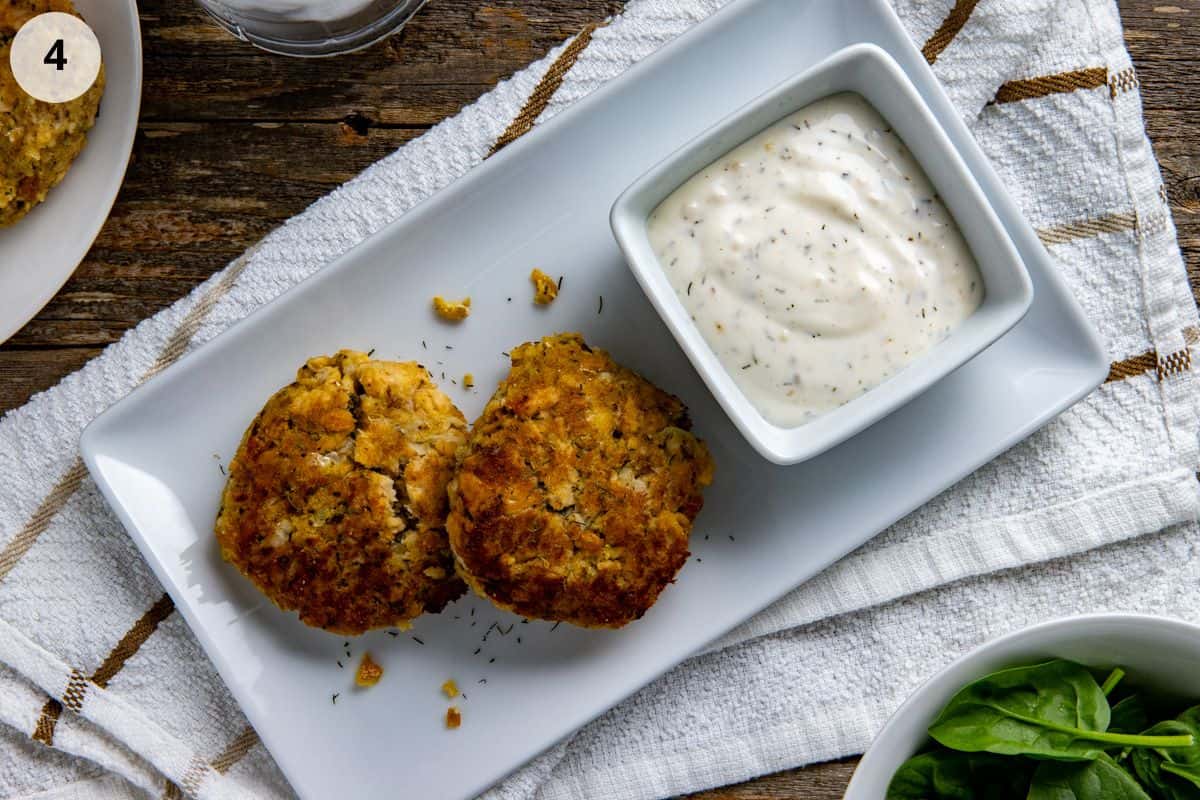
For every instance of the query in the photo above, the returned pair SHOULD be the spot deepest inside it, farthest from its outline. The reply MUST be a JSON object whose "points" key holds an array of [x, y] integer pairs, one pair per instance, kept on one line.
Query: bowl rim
{"points": [[791, 445], [866, 767]]}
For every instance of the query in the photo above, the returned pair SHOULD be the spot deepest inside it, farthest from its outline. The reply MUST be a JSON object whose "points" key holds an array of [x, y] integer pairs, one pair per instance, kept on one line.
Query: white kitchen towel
{"points": [[100, 678]]}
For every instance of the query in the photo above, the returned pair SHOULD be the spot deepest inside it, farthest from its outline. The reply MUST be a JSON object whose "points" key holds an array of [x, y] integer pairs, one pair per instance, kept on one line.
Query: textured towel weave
{"points": [[94, 663]]}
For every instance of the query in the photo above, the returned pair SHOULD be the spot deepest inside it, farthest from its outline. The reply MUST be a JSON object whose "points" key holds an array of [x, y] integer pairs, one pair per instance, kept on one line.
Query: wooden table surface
{"points": [[232, 142]]}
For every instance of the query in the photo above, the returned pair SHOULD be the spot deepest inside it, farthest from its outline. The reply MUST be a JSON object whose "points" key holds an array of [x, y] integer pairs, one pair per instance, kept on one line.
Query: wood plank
{"points": [[446, 57]]}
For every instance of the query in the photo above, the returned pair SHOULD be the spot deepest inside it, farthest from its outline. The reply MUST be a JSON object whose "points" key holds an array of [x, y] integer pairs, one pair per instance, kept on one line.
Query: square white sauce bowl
{"points": [[869, 72]]}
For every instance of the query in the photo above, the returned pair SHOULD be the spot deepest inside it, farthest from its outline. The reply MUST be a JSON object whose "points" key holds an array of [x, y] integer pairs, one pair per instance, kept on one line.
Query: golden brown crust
{"points": [[38, 140], [336, 500], [575, 495]]}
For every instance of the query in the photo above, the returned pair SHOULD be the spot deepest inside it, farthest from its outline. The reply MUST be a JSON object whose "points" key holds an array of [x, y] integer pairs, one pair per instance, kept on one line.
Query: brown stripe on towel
{"points": [[77, 686], [951, 25], [76, 689], [544, 91], [1163, 367], [1174, 363], [196, 772], [1059, 83], [236, 751], [133, 640], [1067, 231], [1132, 366], [178, 342], [230, 756], [19, 545], [1124, 81], [43, 731]]}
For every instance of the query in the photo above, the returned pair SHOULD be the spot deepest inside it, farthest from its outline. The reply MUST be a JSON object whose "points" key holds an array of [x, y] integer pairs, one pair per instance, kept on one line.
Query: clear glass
{"points": [[311, 27]]}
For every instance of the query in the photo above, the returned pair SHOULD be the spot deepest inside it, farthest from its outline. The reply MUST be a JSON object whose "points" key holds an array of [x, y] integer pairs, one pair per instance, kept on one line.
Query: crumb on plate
{"points": [[450, 689], [369, 672], [452, 312], [468, 381], [544, 288], [453, 717]]}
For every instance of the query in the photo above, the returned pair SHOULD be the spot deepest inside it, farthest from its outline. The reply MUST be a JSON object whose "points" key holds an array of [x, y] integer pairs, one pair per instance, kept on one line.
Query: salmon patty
{"points": [[576, 492], [336, 505]]}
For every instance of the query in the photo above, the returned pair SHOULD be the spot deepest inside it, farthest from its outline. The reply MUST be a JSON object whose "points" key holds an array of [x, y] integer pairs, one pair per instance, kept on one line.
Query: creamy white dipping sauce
{"points": [[816, 259]]}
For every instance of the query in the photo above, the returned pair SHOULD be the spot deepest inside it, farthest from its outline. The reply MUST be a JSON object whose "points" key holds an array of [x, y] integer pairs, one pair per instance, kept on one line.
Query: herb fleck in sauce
{"points": [[816, 259]]}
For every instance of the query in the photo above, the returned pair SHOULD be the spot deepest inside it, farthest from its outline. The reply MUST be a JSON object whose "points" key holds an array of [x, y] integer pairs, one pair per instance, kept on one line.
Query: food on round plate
{"points": [[336, 503], [576, 492], [38, 140]]}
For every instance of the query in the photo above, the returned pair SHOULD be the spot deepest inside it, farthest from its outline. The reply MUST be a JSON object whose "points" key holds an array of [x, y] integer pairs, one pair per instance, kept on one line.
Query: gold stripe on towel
{"points": [[236, 751], [230, 756], [1124, 81], [19, 545], [544, 91], [178, 342], [194, 776], [130, 643], [1163, 367], [951, 25], [1173, 364], [43, 731], [1059, 83], [1110, 223], [76, 689], [1132, 366]]}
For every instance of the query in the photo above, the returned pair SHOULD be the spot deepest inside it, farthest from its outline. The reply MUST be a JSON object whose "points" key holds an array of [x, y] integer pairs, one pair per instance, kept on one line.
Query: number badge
{"points": [[55, 57]]}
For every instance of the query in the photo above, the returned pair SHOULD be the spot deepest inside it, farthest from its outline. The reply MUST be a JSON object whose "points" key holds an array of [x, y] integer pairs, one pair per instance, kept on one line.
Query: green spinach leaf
{"points": [[947, 775], [1172, 774], [1053, 710], [1101, 779], [1130, 715]]}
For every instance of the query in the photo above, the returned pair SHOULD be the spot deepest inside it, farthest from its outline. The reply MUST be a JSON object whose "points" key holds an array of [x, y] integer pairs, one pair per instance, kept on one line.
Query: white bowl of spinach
{"points": [[1098, 707]]}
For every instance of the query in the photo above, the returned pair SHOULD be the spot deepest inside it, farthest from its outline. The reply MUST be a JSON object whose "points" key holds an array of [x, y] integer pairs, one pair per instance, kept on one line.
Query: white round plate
{"points": [[38, 253]]}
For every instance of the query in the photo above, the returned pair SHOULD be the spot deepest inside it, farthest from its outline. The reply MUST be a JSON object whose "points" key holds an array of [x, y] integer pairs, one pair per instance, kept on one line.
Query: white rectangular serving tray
{"points": [[544, 202]]}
